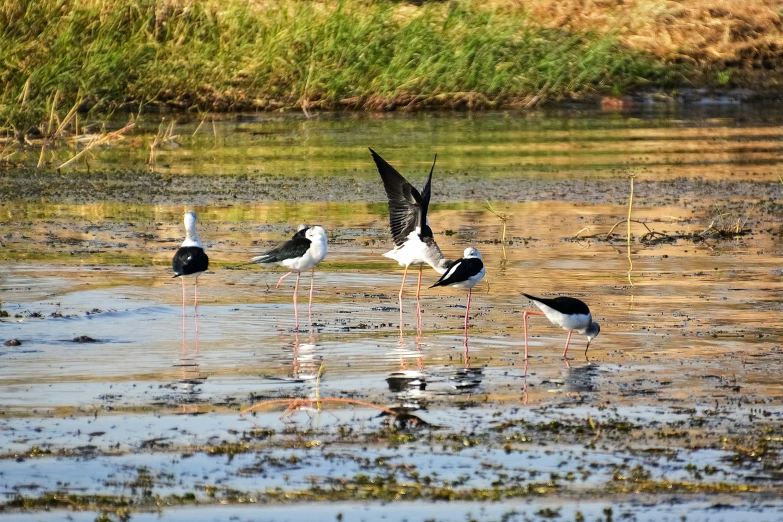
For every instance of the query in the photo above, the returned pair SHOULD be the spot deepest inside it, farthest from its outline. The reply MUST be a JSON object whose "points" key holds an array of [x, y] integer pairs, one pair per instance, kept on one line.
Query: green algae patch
{"points": [[656, 487]]}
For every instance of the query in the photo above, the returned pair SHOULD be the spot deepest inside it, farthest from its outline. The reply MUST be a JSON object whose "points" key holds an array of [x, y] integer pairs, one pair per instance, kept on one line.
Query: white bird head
{"points": [[190, 220], [315, 233], [191, 236], [471, 252]]}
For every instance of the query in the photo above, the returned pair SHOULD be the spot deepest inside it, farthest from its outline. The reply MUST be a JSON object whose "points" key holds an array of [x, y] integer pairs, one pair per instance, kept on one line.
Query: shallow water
{"points": [[689, 352]]}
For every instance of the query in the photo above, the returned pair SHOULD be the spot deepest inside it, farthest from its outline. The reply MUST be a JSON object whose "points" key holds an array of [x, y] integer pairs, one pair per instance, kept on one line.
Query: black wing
{"points": [[189, 260], [407, 208], [459, 271], [295, 247], [564, 305]]}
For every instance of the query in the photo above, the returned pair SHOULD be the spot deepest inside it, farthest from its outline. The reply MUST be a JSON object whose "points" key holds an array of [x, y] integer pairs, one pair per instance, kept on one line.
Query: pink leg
{"points": [[400, 295], [184, 315], [310, 306], [195, 304], [281, 279], [296, 290], [195, 312], [524, 321], [467, 311], [184, 310], [567, 341], [418, 302]]}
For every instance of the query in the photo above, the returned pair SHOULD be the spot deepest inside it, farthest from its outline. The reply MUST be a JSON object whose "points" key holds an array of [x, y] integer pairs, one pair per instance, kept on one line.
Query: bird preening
{"points": [[302, 252], [414, 245]]}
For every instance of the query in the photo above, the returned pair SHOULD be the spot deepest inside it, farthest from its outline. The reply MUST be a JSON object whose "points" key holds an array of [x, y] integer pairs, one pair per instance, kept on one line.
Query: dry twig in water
{"points": [[296, 404], [99, 140]]}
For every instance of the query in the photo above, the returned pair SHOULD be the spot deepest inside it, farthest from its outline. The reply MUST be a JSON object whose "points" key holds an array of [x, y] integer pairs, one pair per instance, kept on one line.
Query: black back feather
{"points": [[564, 305], [407, 207], [189, 260], [467, 267], [295, 247]]}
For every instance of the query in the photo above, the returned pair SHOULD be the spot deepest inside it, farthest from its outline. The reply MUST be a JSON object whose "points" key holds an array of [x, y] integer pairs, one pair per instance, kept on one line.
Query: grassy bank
{"points": [[218, 55], [250, 55]]}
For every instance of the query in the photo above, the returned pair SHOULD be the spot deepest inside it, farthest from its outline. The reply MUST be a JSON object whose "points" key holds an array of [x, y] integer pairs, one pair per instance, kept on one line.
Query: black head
{"points": [[302, 231]]}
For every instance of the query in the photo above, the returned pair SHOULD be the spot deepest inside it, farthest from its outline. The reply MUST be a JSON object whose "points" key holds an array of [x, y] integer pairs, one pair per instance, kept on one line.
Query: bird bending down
{"points": [[413, 240], [302, 252], [569, 314], [465, 272], [190, 259]]}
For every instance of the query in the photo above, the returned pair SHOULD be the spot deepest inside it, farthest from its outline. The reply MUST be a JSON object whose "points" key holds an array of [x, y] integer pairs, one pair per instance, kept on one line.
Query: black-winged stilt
{"points": [[413, 240], [569, 314], [190, 259], [465, 272], [302, 252]]}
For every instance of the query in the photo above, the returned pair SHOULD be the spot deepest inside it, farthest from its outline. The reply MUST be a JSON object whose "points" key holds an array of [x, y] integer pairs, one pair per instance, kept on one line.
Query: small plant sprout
{"points": [[503, 217]]}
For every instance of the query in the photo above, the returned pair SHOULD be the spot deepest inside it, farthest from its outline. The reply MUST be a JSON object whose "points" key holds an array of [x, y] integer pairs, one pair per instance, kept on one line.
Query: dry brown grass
{"points": [[741, 34]]}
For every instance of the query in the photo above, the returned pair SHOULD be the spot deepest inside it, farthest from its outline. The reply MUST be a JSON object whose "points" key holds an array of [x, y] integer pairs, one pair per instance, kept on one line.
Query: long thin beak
{"points": [[587, 347]]}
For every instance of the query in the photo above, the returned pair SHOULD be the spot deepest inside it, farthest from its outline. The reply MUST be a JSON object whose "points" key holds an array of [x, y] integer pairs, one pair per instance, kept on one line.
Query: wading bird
{"points": [[413, 240], [302, 252], [190, 259], [569, 314], [465, 272]]}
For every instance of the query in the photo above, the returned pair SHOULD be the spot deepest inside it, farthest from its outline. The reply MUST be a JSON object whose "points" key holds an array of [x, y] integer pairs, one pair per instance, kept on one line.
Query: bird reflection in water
{"points": [[308, 367], [409, 384], [576, 381], [581, 379], [305, 364], [190, 375], [467, 379]]}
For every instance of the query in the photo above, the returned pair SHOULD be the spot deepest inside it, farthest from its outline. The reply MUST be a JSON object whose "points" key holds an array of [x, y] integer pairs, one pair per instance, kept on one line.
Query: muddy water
{"points": [[680, 394]]}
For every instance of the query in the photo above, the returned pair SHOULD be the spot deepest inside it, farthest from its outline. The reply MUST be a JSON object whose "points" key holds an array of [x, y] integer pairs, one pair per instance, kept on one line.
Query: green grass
{"points": [[235, 54]]}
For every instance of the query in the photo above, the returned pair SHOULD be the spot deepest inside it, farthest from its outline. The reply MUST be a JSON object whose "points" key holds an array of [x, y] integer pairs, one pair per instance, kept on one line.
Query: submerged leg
{"points": [[296, 312], [310, 306], [524, 321], [567, 341], [281, 279]]}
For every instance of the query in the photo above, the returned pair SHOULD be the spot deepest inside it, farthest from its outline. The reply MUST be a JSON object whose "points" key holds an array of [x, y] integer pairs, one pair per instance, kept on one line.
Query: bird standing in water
{"points": [[569, 314], [465, 272], [414, 243], [190, 259], [302, 252]]}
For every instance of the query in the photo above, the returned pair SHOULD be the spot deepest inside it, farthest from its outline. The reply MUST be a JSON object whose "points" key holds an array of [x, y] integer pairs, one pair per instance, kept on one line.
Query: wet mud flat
{"points": [[108, 410], [144, 187]]}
